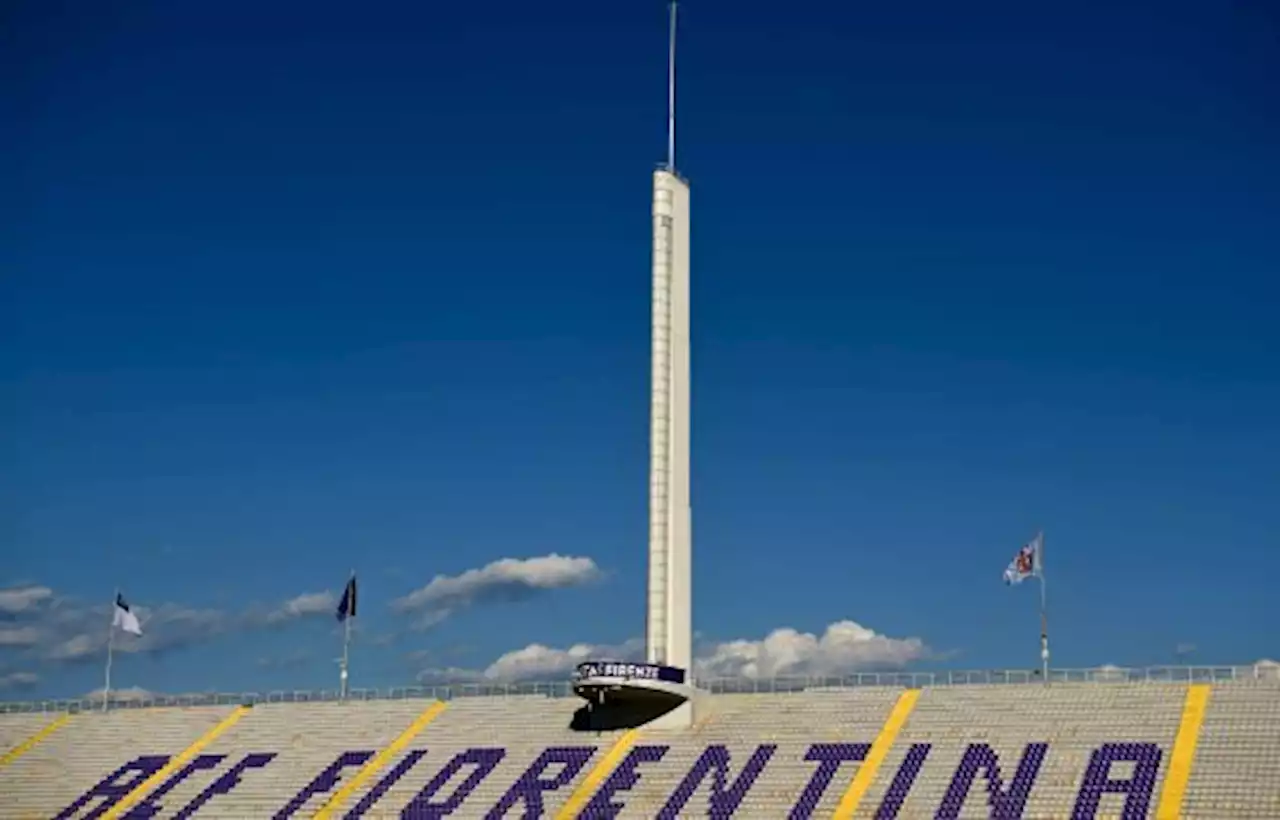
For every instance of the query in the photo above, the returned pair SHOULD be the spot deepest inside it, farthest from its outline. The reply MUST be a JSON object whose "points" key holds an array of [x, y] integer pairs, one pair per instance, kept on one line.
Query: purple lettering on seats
{"points": [[724, 799], [1005, 804], [898, 790], [224, 784], [114, 787], [829, 756], [1137, 789], [421, 806], [531, 785], [324, 782], [151, 805], [623, 779], [384, 785]]}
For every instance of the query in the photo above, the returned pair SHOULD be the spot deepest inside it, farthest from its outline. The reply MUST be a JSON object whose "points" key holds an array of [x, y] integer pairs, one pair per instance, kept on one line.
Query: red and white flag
{"points": [[1027, 563]]}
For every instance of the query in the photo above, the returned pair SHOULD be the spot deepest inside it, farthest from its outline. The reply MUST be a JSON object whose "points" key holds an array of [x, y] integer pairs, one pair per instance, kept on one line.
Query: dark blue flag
{"points": [[347, 606]]}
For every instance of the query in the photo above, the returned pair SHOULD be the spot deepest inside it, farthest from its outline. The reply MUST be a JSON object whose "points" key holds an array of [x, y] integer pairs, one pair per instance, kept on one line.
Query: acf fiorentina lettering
{"points": [[623, 670], [557, 768]]}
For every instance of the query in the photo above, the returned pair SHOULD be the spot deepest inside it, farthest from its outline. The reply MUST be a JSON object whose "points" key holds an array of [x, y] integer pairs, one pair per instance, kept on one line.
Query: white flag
{"points": [[124, 619], [1027, 563]]}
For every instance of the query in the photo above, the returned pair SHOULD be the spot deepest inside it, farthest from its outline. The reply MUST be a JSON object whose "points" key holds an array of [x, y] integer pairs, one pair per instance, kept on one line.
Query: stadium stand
{"points": [[1237, 765], [1129, 746], [21, 732]]}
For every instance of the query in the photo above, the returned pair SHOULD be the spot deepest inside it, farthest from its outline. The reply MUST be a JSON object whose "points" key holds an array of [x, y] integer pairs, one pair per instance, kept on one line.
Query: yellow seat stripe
{"points": [[879, 749], [176, 762], [382, 759], [31, 742], [1184, 752], [578, 800]]}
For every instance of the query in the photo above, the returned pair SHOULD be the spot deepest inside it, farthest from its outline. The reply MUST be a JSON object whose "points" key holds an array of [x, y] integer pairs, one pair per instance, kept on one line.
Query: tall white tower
{"points": [[669, 629], [665, 681]]}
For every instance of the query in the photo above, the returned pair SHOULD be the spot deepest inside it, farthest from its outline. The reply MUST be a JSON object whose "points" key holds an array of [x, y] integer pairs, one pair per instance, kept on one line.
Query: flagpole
{"points": [[1044, 615], [346, 650], [111, 647], [346, 646]]}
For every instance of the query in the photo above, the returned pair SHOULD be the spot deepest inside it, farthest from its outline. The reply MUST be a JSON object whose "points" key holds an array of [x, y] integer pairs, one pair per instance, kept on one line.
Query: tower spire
{"points": [[671, 91]]}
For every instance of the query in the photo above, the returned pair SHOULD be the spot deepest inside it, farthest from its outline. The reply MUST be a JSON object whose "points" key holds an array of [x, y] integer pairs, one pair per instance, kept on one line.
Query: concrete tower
{"points": [[669, 628]]}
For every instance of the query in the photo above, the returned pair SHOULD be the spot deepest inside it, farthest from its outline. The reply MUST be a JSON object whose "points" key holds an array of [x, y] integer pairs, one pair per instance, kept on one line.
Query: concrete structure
{"points": [[1200, 751], [669, 627], [669, 608]]}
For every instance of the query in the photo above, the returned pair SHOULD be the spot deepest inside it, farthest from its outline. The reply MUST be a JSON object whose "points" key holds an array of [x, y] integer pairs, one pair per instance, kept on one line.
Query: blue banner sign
{"points": [[629, 671]]}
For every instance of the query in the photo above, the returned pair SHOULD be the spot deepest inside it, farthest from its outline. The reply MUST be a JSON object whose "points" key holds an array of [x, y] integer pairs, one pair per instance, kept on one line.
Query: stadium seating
{"points": [[16, 728], [1237, 766], [1067, 750]]}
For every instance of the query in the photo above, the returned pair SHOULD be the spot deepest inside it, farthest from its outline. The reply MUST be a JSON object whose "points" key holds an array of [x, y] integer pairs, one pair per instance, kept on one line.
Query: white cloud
{"points": [[165, 628], [539, 662], [508, 579], [41, 626], [19, 636], [844, 647], [129, 693], [1109, 672], [306, 605], [73, 648], [448, 674], [18, 680], [60, 629], [16, 600]]}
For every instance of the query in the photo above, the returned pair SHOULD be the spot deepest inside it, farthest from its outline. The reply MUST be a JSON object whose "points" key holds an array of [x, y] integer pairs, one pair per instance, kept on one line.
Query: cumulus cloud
{"points": [[309, 604], [74, 632], [129, 693], [438, 675], [16, 600], [19, 636], [539, 662], [842, 648], [1110, 672], [43, 627], [18, 680], [508, 579]]}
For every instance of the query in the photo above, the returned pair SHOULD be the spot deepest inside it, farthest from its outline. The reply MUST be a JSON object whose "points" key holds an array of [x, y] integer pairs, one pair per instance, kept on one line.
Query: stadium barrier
{"points": [[563, 689]]}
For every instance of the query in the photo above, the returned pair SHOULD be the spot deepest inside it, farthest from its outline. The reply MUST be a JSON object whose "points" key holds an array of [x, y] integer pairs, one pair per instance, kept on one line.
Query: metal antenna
{"points": [[671, 93]]}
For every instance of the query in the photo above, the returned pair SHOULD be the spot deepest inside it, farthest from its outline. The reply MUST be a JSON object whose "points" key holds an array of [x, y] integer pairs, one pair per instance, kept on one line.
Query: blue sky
{"points": [[292, 288]]}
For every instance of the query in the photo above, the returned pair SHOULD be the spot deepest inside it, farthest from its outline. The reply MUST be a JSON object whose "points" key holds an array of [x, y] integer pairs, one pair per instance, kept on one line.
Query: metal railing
{"points": [[560, 689]]}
